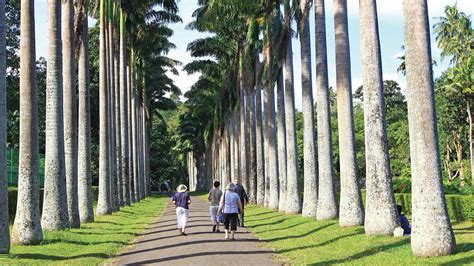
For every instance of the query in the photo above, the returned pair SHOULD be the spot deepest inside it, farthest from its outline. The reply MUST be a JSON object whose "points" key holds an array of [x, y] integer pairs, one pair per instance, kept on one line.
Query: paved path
{"points": [[161, 244]]}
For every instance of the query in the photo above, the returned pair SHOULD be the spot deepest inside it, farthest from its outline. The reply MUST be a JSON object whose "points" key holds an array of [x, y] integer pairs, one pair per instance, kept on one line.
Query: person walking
{"points": [[230, 205], [214, 198], [182, 200], [240, 190]]}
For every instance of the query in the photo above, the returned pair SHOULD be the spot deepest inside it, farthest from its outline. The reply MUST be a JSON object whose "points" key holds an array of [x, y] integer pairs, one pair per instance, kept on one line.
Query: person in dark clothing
{"points": [[182, 200], [240, 190], [404, 223]]}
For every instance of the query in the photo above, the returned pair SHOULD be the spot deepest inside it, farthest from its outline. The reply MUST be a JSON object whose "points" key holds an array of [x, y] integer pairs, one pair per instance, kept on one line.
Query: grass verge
{"points": [[301, 240], [93, 243]]}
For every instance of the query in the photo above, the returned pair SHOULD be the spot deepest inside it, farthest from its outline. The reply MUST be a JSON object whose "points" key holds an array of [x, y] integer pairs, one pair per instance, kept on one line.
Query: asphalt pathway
{"points": [[161, 243]]}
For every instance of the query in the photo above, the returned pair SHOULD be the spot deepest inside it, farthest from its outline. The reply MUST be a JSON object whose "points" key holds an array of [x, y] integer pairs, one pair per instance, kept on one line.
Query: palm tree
{"points": [[281, 141], [251, 129], [27, 227], [111, 107], [103, 204], [428, 199], [85, 197], [381, 216], [273, 200], [293, 202], [55, 208], [351, 212], [70, 126], [130, 137], [136, 184], [259, 139], [327, 206], [124, 112], [118, 130], [243, 141], [4, 222], [310, 198]]}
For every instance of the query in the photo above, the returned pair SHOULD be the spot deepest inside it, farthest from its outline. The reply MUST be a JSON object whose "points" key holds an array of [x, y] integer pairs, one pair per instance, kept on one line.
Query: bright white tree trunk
{"points": [[124, 122], [310, 198], [293, 202], [70, 115], [432, 234], [281, 141], [55, 204], [327, 205], [86, 211], [351, 211], [27, 227], [381, 215], [103, 204]]}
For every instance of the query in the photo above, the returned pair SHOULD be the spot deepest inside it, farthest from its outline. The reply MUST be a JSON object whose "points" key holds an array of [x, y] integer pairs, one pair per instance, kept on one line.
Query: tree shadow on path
{"points": [[203, 254]]}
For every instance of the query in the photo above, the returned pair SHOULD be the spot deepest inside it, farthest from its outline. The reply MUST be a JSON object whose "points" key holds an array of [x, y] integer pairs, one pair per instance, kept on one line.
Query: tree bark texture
{"points": [[381, 215], [351, 211], [327, 205], [432, 234], [55, 205], [27, 227]]}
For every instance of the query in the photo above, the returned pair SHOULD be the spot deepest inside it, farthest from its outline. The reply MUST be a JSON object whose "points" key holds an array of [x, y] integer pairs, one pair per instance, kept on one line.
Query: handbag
{"points": [[220, 216]]}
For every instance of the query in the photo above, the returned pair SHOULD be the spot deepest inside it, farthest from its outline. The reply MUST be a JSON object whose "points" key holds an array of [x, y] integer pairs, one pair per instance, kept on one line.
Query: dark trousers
{"points": [[241, 218], [230, 218]]}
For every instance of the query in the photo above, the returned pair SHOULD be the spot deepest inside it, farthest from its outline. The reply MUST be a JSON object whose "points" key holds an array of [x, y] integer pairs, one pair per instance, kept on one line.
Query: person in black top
{"points": [[240, 190], [182, 200]]}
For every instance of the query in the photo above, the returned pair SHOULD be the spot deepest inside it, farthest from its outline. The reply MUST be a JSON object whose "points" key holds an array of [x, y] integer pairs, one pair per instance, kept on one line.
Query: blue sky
{"points": [[391, 38]]}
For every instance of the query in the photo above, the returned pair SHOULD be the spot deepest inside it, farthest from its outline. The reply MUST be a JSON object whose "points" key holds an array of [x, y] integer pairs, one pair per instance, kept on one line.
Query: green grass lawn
{"points": [[301, 240], [93, 243]]}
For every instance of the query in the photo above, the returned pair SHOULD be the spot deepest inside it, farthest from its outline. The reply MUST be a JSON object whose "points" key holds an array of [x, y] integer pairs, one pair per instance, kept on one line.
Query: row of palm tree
{"points": [[133, 43], [247, 145]]}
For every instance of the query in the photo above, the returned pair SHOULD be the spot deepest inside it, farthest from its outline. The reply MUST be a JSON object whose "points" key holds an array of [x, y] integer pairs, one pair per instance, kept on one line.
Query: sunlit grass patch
{"points": [[301, 240], [94, 242]]}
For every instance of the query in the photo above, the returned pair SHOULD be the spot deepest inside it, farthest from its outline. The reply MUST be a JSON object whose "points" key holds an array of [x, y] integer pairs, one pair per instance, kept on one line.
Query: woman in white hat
{"points": [[181, 200], [230, 206]]}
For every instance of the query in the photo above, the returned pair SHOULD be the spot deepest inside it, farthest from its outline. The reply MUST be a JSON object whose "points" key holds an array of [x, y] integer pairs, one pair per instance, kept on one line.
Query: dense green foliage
{"points": [[300, 241], [93, 243]]}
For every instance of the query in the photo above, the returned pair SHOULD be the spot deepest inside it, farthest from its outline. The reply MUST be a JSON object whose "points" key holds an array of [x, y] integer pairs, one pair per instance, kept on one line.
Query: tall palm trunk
{"points": [[136, 187], [266, 156], [55, 204], [244, 178], [130, 136], [429, 211], [231, 145], [293, 202], [4, 222], [86, 211], [124, 124], [111, 90], [281, 141], [103, 204], [250, 110], [27, 227], [327, 206], [351, 211], [118, 130], [271, 129], [381, 216], [70, 119], [310, 198]]}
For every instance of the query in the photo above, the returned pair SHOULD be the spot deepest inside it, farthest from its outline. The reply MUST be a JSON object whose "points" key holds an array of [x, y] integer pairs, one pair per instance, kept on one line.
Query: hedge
{"points": [[12, 199], [460, 207]]}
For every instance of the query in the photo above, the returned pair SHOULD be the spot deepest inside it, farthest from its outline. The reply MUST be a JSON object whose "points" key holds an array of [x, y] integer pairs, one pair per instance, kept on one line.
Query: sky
{"points": [[390, 17]]}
